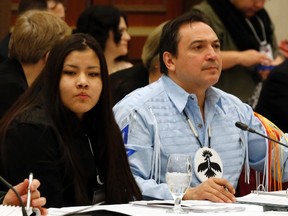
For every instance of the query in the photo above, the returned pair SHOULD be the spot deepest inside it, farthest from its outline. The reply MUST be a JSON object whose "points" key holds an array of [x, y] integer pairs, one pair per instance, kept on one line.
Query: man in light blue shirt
{"points": [[183, 113]]}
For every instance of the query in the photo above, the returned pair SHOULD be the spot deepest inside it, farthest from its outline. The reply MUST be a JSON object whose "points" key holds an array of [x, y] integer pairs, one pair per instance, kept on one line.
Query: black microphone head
{"points": [[241, 125]]}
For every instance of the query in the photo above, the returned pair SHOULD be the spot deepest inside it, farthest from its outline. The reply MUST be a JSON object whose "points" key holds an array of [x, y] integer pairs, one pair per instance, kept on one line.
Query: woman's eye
{"points": [[69, 72], [94, 74], [121, 31]]}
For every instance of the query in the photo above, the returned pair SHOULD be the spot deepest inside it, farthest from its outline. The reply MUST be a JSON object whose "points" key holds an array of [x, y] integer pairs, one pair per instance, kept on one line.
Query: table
{"points": [[141, 210]]}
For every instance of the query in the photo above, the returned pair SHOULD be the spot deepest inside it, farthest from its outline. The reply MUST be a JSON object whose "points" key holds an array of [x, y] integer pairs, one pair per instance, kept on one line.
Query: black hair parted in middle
{"points": [[98, 20]]}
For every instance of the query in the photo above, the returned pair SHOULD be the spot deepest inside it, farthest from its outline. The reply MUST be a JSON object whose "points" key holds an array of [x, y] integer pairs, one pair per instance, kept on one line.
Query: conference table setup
{"points": [[159, 208], [178, 178]]}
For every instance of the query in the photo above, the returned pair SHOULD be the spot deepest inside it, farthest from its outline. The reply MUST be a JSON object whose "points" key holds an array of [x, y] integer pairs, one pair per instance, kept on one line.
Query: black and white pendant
{"points": [[207, 164]]}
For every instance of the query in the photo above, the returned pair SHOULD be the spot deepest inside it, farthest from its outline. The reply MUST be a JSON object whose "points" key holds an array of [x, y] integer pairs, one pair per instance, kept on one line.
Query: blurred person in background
{"points": [[24, 5], [35, 33], [109, 26], [57, 7], [248, 44], [273, 100], [125, 81]]}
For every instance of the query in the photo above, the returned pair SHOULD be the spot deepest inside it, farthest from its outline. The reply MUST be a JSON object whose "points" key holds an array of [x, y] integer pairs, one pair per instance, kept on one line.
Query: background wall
{"points": [[143, 16], [277, 10]]}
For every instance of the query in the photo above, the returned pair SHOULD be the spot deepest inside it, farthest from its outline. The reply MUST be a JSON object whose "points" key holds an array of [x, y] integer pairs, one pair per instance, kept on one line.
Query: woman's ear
{"points": [[169, 61], [45, 57]]}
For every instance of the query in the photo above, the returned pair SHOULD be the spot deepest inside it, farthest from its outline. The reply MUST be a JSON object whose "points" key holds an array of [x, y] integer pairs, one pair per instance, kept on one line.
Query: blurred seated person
{"points": [[283, 46], [248, 44], [35, 33], [109, 27], [125, 81], [24, 5], [273, 100], [56, 7]]}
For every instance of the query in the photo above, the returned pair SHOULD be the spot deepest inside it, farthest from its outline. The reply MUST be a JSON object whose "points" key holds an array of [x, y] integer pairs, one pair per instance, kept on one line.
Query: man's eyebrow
{"points": [[204, 41]]}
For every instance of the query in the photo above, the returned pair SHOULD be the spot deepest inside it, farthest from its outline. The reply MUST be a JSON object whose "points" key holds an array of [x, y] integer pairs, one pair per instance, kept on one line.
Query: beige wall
{"points": [[278, 11]]}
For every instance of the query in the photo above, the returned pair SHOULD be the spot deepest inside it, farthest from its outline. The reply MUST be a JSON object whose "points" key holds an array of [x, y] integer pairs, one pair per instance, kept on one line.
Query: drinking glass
{"points": [[178, 178]]}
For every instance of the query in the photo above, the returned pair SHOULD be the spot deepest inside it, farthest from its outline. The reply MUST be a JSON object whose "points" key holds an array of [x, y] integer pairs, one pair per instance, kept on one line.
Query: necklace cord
{"points": [[195, 132]]}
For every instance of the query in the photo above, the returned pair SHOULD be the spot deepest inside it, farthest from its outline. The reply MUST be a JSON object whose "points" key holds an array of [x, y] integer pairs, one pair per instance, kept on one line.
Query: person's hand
{"points": [[253, 57], [283, 46], [213, 189], [36, 200], [264, 73]]}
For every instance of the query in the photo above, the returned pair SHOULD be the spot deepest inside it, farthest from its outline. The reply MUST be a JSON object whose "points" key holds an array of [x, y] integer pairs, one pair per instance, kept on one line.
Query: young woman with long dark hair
{"points": [[63, 130]]}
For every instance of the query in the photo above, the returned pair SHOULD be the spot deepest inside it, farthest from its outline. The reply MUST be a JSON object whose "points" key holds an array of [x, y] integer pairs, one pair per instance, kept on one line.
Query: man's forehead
{"points": [[197, 31]]}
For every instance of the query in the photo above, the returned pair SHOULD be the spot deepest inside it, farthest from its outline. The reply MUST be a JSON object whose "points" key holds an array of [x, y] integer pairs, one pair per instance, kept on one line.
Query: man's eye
{"points": [[217, 46], [198, 47]]}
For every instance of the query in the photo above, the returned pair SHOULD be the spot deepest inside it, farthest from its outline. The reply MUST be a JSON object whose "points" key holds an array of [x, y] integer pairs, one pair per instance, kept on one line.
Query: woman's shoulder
{"points": [[36, 115], [121, 65]]}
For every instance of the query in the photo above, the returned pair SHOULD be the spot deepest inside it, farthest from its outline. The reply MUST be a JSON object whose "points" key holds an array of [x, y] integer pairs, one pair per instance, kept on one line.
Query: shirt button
{"points": [[200, 125]]}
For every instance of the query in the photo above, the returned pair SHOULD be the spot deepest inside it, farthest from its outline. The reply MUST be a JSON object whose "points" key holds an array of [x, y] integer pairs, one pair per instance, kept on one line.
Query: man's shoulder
{"points": [[228, 99], [138, 98], [205, 7], [202, 5], [131, 73], [208, 10]]}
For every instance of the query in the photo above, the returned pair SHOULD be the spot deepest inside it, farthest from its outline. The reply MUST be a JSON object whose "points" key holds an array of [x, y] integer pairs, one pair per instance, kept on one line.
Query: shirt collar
{"points": [[179, 96]]}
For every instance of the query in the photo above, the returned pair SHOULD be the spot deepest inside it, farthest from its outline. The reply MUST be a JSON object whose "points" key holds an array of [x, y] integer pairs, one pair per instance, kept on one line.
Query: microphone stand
{"points": [[242, 126], [245, 127]]}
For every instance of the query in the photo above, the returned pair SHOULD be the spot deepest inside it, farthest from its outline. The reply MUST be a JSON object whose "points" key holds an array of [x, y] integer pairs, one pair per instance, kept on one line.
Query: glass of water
{"points": [[178, 178]]}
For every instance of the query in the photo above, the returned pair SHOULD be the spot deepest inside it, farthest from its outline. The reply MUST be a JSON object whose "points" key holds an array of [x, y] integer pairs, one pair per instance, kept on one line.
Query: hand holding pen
{"points": [[213, 189], [36, 200], [29, 191]]}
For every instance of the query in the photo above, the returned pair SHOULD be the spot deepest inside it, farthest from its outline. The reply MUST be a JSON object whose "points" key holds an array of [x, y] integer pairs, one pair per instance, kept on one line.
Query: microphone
{"points": [[24, 213], [245, 127]]}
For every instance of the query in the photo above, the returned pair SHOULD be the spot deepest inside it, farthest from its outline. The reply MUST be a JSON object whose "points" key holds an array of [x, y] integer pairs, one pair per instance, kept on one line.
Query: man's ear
{"points": [[169, 61]]}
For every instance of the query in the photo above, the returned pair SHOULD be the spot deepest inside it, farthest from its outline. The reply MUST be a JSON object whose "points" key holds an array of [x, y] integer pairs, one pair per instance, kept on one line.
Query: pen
{"points": [[29, 191]]}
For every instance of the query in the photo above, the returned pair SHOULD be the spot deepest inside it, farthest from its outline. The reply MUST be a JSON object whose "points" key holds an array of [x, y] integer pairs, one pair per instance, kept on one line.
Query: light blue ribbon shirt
{"points": [[153, 126]]}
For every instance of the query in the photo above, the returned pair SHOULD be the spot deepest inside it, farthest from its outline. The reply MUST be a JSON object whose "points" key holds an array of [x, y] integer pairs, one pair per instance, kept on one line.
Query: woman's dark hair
{"points": [[120, 185], [98, 21], [170, 34]]}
